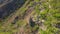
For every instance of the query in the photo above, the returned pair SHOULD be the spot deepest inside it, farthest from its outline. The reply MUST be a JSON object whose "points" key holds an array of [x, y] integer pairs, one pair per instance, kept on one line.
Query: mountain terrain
{"points": [[29, 16]]}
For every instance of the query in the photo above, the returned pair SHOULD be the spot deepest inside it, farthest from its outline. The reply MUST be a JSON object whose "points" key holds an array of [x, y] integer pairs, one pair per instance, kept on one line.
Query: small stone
{"points": [[43, 20], [58, 25]]}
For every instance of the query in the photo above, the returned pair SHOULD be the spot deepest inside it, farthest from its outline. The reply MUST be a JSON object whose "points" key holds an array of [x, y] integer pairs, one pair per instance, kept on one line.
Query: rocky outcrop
{"points": [[9, 7]]}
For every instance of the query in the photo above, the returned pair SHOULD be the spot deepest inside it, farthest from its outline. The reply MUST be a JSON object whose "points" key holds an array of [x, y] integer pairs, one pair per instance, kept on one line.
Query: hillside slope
{"points": [[30, 17]]}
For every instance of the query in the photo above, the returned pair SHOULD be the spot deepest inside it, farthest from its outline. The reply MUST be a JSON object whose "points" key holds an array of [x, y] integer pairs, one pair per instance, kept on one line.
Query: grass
{"points": [[50, 15]]}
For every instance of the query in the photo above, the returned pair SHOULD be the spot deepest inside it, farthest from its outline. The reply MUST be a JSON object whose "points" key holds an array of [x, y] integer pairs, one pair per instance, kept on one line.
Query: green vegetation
{"points": [[45, 16]]}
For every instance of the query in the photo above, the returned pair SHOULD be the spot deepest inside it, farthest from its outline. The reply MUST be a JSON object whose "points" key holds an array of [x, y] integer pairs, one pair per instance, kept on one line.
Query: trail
{"points": [[28, 14], [26, 18]]}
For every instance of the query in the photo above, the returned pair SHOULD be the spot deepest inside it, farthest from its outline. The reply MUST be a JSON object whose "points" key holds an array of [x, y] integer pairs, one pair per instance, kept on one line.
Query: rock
{"points": [[43, 20], [57, 25], [9, 6], [32, 23]]}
